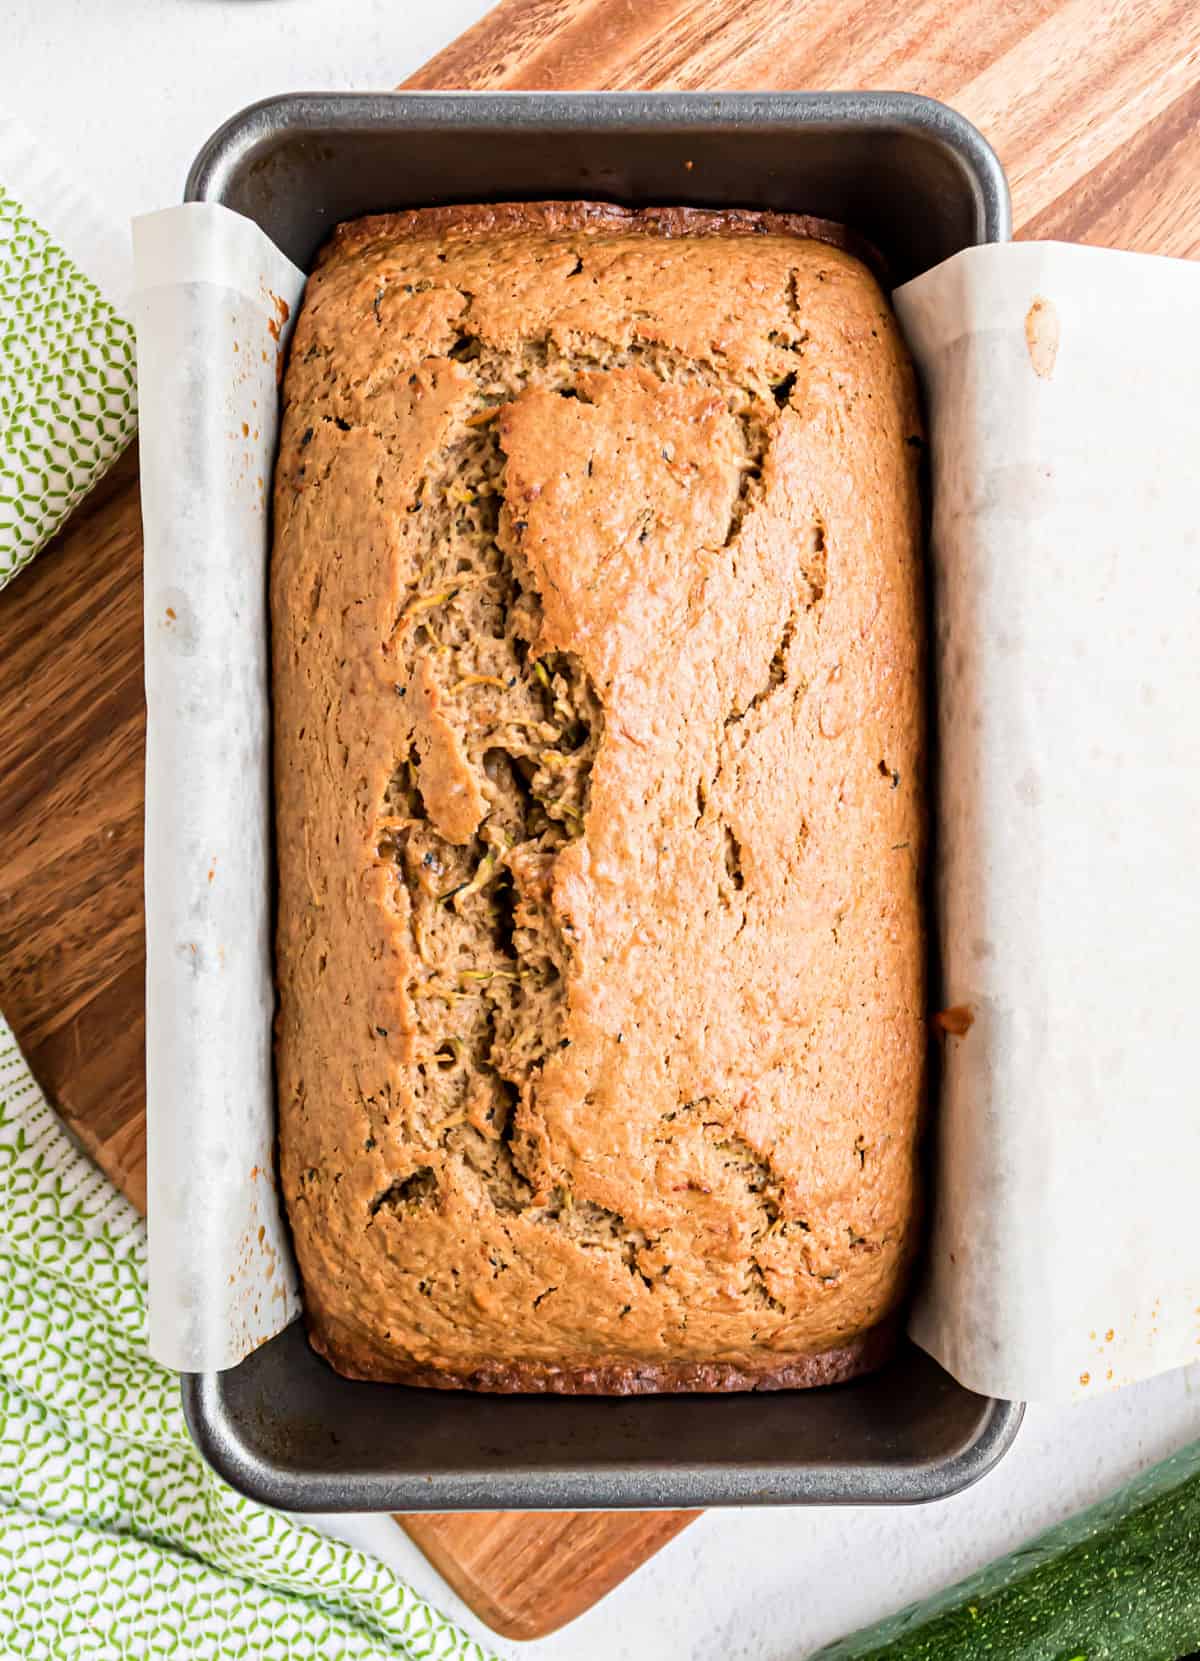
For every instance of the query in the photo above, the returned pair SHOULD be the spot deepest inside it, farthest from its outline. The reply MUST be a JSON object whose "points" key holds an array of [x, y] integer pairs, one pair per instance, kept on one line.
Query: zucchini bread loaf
{"points": [[598, 735]]}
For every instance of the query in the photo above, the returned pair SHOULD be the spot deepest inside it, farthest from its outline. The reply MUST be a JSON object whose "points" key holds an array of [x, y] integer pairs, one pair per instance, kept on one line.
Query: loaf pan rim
{"points": [[523, 1484]]}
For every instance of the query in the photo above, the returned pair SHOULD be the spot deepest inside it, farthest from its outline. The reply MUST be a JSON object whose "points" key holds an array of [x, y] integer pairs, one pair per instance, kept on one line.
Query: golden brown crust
{"points": [[599, 779], [862, 1354], [476, 219]]}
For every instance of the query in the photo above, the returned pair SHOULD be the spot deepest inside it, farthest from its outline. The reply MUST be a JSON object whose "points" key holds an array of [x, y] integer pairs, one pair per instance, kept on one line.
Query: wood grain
{"points": [[1064, 91], [1094, 108], [72, 744], [529, 1573]]}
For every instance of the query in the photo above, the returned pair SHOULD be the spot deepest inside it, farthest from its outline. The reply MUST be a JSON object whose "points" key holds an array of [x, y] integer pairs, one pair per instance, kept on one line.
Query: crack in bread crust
{"points": [[594, 586]]}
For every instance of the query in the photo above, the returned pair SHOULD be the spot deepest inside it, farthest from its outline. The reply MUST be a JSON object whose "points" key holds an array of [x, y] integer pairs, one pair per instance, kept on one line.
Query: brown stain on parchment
{"points": [[956, 1021], [1042, 336]]}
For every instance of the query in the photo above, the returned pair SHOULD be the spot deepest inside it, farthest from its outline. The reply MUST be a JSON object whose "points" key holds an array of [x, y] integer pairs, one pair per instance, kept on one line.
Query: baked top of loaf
{"points": [[598, 726]]}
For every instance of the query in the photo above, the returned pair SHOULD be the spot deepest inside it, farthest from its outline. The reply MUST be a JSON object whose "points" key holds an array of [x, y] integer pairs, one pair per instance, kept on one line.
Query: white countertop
{"points": [[127, 103]]}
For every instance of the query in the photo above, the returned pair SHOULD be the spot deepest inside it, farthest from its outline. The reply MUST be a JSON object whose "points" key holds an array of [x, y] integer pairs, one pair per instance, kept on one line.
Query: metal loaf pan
{"points": [[920, 183]]}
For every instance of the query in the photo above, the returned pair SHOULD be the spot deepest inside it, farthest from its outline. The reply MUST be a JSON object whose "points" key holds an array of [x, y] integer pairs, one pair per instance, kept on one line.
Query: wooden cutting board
{"points": [[1094, 107]]}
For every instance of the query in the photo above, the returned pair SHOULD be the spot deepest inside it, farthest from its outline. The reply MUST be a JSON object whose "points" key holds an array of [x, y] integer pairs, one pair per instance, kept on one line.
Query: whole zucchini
{"points": [[1121, 1580]]}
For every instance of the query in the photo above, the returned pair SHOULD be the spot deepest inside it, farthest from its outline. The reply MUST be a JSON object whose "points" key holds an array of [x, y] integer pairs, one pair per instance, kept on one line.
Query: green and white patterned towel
{"points": [[116, 1539], [68, 396]]}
